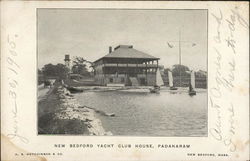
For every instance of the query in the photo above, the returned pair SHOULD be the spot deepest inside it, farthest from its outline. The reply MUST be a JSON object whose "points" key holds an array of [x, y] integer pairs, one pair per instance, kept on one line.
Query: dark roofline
{"points": [[124, 58], [120, 46], [125, 46]]}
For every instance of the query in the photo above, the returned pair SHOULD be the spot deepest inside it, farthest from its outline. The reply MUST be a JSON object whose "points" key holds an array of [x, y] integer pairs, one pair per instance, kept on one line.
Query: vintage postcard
{"points": [[123, 80]]}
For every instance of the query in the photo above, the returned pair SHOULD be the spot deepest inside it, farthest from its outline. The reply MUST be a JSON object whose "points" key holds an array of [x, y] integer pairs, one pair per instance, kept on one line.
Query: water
{"points": [[146, 114]]}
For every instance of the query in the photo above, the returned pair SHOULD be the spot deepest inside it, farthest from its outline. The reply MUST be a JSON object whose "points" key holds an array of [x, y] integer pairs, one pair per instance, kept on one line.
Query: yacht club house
{"points": [[126, 66]]}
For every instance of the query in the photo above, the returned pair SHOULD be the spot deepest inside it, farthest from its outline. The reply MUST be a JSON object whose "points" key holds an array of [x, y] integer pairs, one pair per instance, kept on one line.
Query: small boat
{"points": [[110, 114], [170, 79], [191, 91], [158, 83], [173, 88], [74, 90], [156, 89]]}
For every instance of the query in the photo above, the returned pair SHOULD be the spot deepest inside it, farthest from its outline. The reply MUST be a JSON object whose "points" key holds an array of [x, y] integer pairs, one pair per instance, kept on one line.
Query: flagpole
{"points": [[180, 47], [180, 43], [180, 53]]}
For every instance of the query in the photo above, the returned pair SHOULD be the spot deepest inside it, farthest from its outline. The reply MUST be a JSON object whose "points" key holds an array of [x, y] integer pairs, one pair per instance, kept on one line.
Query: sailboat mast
{"points": [[180, 54], [180, 47]]}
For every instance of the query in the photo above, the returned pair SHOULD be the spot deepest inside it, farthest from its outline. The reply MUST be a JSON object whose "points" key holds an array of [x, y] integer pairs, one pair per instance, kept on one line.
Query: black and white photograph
{"points": [[124, 80], [122, 72]]}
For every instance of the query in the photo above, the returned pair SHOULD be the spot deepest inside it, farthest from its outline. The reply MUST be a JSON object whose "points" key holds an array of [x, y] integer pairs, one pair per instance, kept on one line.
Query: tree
{"points": [[180, 70], [166, 71], [59, 70], [40, 77], [201, 74], [40, 71], [82, 66]]}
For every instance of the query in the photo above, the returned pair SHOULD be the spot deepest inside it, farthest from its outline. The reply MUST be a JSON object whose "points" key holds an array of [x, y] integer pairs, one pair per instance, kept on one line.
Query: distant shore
{"points": [[135, 88]]}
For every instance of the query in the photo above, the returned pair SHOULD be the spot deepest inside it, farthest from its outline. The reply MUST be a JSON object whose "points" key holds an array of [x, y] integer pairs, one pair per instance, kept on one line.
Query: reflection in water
{"points": [[146, 114]]}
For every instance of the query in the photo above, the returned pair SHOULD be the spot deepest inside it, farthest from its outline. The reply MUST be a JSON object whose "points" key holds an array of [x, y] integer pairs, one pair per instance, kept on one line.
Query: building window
{"points": [[111, 80]]}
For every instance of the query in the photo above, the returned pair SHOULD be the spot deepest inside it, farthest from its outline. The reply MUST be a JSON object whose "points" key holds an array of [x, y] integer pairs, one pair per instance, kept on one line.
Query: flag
{"points": [[169, 45]]}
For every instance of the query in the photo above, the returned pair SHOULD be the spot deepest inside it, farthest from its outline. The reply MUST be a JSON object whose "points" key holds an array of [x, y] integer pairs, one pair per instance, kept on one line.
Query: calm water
{"points": [[146, 114]]}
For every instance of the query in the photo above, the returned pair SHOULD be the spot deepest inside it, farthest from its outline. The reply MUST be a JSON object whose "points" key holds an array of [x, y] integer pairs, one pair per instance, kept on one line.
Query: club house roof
{"points": [[127, 51]]}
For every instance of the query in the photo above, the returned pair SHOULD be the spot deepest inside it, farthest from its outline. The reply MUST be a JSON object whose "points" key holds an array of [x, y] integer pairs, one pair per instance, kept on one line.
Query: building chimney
{"points": [[110, 49]]}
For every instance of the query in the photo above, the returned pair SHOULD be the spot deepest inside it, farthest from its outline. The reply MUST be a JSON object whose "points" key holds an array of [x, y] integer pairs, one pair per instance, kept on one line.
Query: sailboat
{"points": [[192, 84], [159, 82], [180, 42], [170, 79]]}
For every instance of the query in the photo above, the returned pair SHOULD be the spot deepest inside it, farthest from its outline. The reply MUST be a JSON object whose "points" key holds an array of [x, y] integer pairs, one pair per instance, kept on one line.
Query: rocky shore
{"points": [[72, 110]]}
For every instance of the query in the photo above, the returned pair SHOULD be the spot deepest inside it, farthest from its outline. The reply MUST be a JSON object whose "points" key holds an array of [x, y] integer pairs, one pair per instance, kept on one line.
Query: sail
{"points": [[193, 79], [170, 79], [159, 81]]}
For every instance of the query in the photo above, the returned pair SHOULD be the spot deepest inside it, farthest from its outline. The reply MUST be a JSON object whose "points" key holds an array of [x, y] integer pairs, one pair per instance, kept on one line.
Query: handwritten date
{"points": [[14, 68]]}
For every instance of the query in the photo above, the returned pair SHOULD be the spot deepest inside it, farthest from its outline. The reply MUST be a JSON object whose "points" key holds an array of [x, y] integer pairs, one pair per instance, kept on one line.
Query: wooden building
{"points": [[126, 66]]}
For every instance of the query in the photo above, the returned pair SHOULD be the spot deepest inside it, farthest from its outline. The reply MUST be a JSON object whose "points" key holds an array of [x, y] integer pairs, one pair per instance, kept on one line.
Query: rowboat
{"points": [[74, 90]]}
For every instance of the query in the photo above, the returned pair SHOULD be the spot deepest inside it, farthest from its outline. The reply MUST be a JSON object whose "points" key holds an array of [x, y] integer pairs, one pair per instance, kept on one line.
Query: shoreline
{"points": [[73, 110], [60, 113], [135, 89], [148, 114]]}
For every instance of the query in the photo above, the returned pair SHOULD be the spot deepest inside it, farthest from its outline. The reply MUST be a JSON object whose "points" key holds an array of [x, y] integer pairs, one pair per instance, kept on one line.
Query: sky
{"points": [[88, 33]]}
